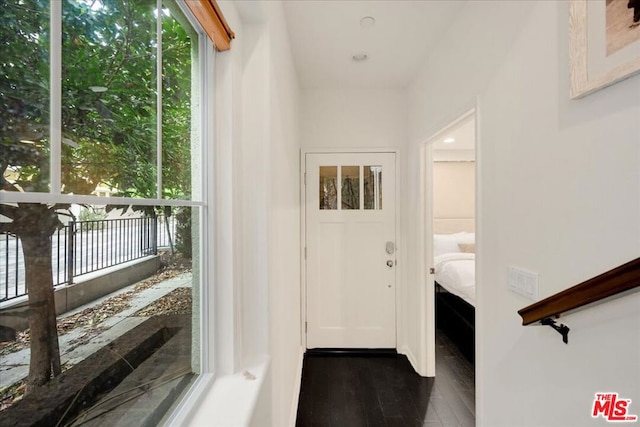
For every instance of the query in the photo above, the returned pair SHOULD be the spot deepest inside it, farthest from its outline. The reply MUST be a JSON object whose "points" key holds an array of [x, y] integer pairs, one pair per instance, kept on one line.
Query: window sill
{"points": [[229, 400]]}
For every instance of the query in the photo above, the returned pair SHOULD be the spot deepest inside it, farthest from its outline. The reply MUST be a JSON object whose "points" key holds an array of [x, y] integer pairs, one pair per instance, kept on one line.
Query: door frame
{"points": [[425, 244], [303, 231]]}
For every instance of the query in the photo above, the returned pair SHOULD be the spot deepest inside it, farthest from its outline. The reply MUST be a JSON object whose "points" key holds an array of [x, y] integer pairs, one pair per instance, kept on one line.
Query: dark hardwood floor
{"points": [[385, 391]]}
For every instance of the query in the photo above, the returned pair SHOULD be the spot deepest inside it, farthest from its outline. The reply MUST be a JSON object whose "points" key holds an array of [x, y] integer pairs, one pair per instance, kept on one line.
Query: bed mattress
{"points": [[455, 272]]}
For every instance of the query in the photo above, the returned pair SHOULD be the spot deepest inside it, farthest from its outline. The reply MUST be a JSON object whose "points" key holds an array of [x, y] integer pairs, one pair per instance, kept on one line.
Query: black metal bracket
{"points": [[561, 328]]}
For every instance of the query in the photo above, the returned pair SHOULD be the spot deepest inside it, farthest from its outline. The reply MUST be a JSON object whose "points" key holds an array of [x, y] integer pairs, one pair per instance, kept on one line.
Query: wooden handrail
{"points": [[613, 282]]}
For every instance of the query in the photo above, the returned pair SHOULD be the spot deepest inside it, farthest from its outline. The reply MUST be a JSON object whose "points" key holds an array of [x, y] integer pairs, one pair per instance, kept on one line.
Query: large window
{"points": [[101, 147]]}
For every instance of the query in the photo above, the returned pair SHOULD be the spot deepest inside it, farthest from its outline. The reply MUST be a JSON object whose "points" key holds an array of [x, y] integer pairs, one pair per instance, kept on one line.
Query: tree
{"points": [[108, 126]]}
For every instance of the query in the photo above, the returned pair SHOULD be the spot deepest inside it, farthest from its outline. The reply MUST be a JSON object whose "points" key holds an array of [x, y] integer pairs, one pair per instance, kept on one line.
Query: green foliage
{"points": [[24, 94], [92, 214], [108, 108], [93, 218]]}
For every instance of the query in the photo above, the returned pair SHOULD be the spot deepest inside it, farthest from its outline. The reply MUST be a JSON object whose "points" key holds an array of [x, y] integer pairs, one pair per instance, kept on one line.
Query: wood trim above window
{"points": [[209, 15]]}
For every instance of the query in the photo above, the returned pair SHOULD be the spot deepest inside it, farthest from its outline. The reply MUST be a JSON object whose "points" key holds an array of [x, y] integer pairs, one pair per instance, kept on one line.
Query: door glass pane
{"points": [[350, 187], [372, 187], [328, 191]]}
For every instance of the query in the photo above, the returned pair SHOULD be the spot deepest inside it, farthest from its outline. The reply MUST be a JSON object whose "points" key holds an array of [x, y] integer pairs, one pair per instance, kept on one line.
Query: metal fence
{"points": [[82, 247]]}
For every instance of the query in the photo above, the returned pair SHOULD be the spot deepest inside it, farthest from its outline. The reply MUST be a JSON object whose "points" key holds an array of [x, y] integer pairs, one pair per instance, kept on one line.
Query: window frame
{"points": [[204, 198]]}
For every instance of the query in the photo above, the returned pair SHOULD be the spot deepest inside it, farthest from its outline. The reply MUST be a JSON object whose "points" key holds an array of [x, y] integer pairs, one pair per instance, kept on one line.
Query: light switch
{"points": [[523, 282]]}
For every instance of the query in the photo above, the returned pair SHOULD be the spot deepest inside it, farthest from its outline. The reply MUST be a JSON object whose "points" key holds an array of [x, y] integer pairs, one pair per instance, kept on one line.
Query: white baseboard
{"points": [[296, 389], [412, 358]]}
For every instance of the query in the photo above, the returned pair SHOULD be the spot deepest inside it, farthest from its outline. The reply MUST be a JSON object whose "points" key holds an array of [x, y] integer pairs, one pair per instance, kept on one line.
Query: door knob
{"points": [[389, 263]]}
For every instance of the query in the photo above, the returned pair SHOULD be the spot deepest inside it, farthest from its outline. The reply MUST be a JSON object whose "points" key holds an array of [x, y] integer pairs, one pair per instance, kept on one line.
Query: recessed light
{"points": [[367, 22], [360, 57], [449, 140]]}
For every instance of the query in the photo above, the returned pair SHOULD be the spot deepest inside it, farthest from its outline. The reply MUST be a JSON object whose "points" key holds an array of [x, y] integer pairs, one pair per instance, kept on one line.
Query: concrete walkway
{"points": [[15, 366]]}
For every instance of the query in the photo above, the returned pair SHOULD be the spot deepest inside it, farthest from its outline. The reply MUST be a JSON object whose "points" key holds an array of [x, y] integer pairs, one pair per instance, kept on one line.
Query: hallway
{"points": [[385, 391]]}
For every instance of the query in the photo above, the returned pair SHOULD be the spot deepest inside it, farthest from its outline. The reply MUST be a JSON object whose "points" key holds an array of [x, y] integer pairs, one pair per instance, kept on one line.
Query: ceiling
{"points": [[326, 34], [463, 135], [461, 142]]}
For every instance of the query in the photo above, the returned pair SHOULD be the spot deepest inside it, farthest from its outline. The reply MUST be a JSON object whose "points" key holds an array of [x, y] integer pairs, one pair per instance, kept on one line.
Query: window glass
{"points": [[372, 187], [145, 258], [150, 259], [350, 187], [328, 189], [109, 97], [179, 77], [24, 95]]}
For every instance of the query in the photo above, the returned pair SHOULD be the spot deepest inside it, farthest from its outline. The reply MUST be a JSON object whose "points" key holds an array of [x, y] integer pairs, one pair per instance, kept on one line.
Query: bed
{"points": [[454, 269]]}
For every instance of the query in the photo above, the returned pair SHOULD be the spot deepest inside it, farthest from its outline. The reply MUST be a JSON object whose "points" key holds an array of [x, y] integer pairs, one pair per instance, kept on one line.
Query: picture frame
{"points": [[604, 44]]}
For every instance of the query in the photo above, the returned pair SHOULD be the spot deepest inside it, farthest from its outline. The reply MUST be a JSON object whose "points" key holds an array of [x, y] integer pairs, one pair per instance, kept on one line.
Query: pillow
{"points": [[448, 243], [465, 237], [445, 243], [467, 247]]}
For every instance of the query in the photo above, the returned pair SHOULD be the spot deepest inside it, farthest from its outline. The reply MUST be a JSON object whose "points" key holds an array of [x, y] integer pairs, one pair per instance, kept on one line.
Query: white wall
{"points": [[353, 118], [270, 208], [559, 184], [454, 190], [285, 341], [254, 208], [256, 304]]}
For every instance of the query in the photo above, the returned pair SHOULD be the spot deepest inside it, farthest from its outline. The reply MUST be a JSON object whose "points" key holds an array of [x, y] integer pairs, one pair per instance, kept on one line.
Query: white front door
{"points": [[350, 250]]}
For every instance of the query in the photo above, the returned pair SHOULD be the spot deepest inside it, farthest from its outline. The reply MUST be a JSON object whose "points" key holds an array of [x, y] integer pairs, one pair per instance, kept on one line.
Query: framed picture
{"points": [[605, 43]]}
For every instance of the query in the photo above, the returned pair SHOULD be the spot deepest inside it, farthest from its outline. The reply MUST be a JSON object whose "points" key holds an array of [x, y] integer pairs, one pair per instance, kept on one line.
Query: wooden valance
{"points": [[209, 15]]}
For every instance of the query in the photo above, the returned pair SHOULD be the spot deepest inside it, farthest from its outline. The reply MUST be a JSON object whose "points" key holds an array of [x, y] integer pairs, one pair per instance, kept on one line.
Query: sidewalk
{"points": [[85, 340]]}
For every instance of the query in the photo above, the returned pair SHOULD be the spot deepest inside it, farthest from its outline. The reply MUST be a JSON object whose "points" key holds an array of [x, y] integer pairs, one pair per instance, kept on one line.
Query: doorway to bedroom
{"points": [[450, 215]]}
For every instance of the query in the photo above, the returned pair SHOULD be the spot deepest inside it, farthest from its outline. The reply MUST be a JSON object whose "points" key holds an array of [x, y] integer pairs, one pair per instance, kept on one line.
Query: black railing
{"points": [[82, 247]]}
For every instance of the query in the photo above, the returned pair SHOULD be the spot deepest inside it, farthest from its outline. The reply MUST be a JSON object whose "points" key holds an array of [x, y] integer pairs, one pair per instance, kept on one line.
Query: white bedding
{"points": [[456, 272]]}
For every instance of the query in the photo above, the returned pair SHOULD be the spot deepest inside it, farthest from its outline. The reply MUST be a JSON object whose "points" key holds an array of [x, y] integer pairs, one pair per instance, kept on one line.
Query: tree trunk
{"points": [[166, 224], [45, 352]]}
